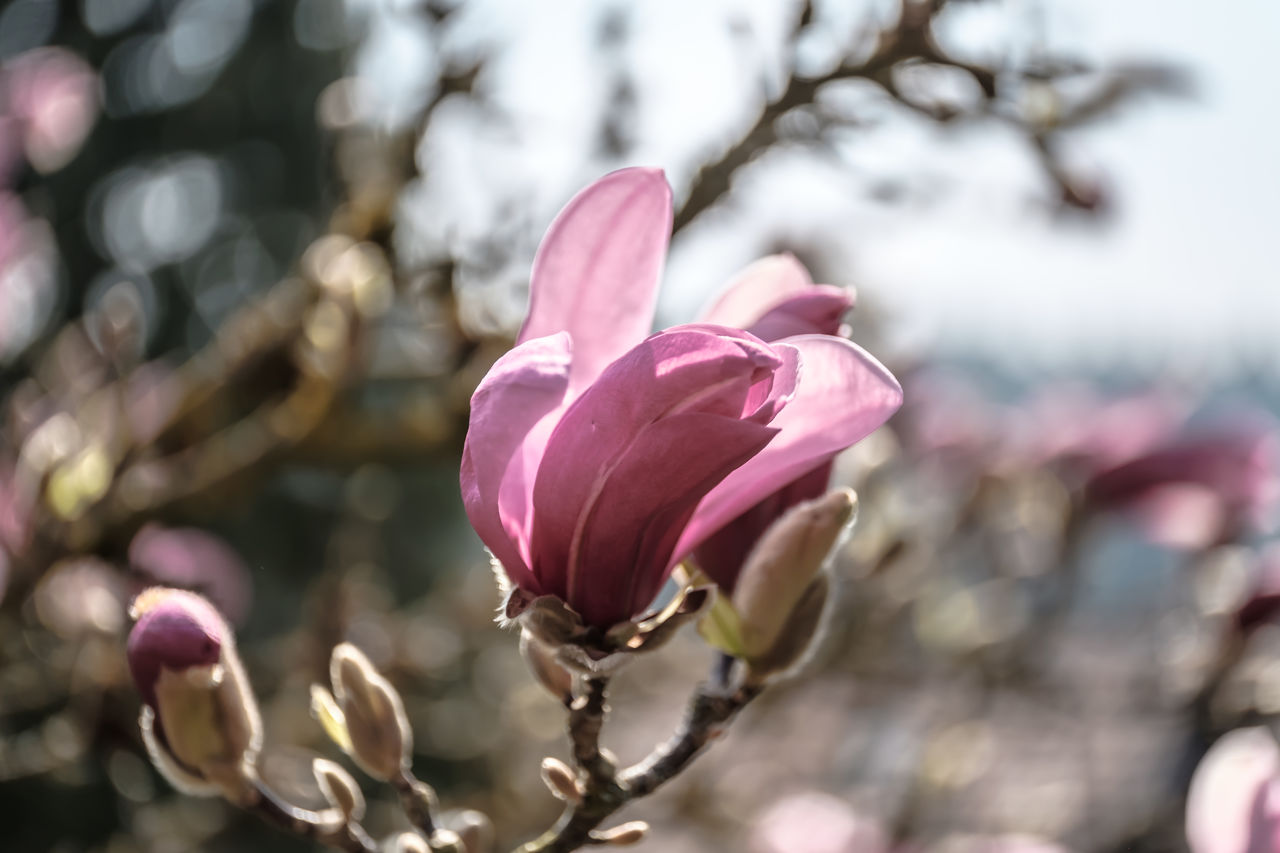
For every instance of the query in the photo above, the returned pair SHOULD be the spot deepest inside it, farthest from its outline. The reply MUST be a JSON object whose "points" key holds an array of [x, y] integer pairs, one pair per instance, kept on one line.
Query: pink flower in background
{"points": [[190, 558], [1234, 802], [1196, 489], [816, 822], [597, 457], [51, 97]]}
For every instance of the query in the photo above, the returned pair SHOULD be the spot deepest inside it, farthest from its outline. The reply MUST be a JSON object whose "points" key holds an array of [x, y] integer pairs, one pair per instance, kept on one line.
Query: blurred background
{"points": [[255, 255]]}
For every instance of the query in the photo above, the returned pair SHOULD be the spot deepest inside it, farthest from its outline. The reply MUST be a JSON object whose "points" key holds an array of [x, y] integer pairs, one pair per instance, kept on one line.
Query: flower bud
{"points": [[339, 789], [409, 842], [446, 841], [542, 663], [199, 717], [561, 781], [378, 733], [780, 593], [474, 829], [623, 834]]}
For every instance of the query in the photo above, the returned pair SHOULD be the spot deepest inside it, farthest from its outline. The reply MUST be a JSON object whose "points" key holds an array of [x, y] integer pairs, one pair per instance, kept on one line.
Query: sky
{"points": [[1178, 277]]}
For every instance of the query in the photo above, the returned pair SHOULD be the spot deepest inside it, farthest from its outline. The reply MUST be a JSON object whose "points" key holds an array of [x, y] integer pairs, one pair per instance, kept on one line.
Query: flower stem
{"points": [[710, 708]]}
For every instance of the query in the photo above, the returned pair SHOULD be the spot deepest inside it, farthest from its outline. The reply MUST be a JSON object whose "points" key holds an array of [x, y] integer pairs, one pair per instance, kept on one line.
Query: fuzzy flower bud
{"points": [[199, 717], [560, 780], [780, 594], [365, 715], [339, 789], [557, 680], [622, 835], [409, 842]]}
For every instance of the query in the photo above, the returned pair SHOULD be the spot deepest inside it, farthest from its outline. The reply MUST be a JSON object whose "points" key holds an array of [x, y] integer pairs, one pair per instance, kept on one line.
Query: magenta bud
{"points": [[199, 718]]}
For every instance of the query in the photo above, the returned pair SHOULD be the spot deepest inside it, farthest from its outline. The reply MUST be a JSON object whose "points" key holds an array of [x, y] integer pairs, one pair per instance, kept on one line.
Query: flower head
{"points": [[199, 717], [598, 456]]}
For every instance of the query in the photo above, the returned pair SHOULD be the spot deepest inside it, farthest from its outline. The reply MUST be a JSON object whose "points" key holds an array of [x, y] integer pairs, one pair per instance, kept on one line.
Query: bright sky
{"points": [[1182, 275]]}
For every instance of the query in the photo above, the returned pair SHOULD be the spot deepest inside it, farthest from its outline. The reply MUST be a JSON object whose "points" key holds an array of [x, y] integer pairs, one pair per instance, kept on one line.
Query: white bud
{"points": [[373, 714]]}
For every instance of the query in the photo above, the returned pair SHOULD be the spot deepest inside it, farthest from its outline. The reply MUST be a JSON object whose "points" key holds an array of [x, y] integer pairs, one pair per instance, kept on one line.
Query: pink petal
{"points": [[596, 273], [757, 288], [1230, 785], [844, 395], [181, 631], [521, 387], [624, 554], [685, 370], [817, 311]]}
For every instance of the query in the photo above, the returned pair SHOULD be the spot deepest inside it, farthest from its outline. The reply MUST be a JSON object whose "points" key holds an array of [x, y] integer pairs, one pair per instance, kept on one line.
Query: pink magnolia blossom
{"points": [[1234, 802], [598, 455]]}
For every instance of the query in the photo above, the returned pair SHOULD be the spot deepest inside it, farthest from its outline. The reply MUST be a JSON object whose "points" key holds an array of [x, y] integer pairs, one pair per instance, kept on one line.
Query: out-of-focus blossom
{"points": [[596, 457], [199, 718], [81, 595], [50, 96], [815, 822], [1072, 428], [189, 558], [946, 415], [28, 276], [1195, 489], [1234, 802], [996, 844], [773, 298]]}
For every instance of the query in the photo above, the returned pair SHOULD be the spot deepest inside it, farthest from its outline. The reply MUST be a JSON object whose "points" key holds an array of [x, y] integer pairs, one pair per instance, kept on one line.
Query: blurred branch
{"points": [[911, 40], [607, 791]]}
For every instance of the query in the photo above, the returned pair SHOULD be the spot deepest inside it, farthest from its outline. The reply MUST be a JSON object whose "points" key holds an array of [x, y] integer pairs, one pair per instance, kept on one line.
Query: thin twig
{"points": [[417, 801], [710, 709]]}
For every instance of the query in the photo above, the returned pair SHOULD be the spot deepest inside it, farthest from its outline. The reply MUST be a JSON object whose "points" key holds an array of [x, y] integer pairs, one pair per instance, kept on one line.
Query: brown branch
{"points": [[607, 791], [909, 39]]}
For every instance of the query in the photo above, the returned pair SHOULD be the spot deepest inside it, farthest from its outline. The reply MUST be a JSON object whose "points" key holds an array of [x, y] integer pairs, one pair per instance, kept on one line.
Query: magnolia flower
{"points": [[597, 457]]}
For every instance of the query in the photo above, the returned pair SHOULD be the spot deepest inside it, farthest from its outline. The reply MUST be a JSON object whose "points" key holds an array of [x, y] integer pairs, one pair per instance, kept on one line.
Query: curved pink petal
{"points": [[624, 554], [817, 311], [521, 387], [687, 370], [844, 395], [596, 273], [755, 289]]}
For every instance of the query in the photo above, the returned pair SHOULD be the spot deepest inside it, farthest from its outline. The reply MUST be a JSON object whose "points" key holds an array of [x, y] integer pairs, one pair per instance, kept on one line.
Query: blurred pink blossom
{"points": [[815, 822], [190, 558], [51, 95], [1196, 488], [1234, 802], [597, 457]]}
